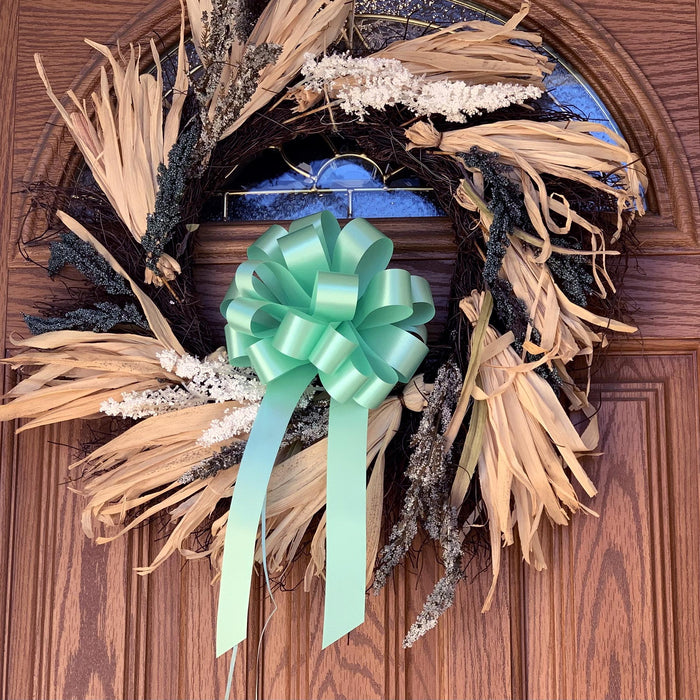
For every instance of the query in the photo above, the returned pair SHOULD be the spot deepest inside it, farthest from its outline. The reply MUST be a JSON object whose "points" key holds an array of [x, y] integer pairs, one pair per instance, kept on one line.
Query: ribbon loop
{"points": [[297, 335], [317, 300], [388, 300], [305, 252], [332, 349], [362, 250], [335, 296]]}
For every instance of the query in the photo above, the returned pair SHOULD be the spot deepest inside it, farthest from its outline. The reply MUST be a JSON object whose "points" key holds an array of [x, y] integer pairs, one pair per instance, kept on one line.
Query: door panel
{"points": [[617, 612]]}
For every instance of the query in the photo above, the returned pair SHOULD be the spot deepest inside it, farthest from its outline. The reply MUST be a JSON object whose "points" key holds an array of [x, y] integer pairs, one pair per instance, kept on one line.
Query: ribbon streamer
{"points": [[317, 300]]}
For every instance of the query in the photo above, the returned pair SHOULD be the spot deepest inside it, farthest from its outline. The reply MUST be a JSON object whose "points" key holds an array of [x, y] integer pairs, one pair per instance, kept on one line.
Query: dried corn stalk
{"points": [[129, 138], [527, 441], [566, 150], [477, 52], [245, 70]]}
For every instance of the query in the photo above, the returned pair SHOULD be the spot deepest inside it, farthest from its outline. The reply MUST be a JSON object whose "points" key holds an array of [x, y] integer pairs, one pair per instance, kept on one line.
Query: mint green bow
{"points": [[317, 300]]}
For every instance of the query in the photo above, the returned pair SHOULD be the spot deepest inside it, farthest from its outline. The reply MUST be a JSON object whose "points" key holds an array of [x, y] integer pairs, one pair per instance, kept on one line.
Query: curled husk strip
{"points": [[128, 140], [567, 150]]}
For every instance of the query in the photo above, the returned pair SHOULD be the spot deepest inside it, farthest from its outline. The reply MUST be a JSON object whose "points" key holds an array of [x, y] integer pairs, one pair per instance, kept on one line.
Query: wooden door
{"points": [[617, 614]]}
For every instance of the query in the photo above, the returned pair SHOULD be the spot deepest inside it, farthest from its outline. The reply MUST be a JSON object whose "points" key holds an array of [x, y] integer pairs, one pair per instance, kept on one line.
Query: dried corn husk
{"points": [[297, 27], [195, 10], [563, 325], [75, 371], [477, 52], [567, 150], [144, 463], [527, 441], [129, 139]]}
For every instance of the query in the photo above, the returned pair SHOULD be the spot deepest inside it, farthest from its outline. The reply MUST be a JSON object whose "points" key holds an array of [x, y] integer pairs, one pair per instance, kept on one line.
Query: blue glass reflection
{"points": [[394, 204], [347, 185], [285, 206], [348, 172]]}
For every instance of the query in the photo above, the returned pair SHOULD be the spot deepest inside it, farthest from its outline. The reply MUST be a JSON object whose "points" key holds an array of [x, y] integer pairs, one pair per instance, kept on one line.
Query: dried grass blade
{"points": [[469, 458], [160, 327], [477, 340], [474, 52], [528, 439]]}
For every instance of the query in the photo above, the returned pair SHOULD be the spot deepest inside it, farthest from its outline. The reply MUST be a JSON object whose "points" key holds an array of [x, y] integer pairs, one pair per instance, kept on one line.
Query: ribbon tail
{"points": [[281, 397], [346, 496]]}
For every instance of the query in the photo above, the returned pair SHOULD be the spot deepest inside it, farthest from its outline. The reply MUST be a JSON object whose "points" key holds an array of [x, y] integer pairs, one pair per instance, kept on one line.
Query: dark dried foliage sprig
{"points": [[430, 474], [230, 21], [571, 271], [172, 183], [229, 107], [71, 250], [225, 458], [427, 503], [80, 197], [104, 317], [505, 202]]}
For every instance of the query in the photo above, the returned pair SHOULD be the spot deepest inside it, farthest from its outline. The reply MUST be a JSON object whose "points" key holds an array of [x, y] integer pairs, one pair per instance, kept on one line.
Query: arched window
{"points": [[322, 172]]}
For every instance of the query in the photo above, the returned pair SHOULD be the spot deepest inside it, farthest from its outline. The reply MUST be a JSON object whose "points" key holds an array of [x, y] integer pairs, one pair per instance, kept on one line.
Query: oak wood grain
{"points": [[617, 612], [9, 14]]}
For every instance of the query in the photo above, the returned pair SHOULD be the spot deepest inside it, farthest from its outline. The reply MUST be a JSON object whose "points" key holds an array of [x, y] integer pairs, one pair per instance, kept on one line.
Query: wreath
{"points": [[282, 442]]}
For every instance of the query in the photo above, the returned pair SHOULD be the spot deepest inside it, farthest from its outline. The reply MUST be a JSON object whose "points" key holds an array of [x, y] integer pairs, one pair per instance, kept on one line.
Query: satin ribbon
{"points": [[317, 300]]}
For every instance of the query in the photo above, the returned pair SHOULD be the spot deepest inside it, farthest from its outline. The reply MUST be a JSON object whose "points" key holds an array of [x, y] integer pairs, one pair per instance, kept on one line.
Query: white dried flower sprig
{"points": [[151, 402], [233, 423], [362, 83], [240, 420], [211, 380], [213, 377], [208, 380]]}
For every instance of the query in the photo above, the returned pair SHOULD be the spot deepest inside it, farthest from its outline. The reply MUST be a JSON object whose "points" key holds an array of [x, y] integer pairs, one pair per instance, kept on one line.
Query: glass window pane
{"points": [[288, 205]]}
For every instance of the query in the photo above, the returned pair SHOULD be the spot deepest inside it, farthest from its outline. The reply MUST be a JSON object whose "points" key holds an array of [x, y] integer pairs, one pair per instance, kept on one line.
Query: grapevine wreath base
{"points": [[318, 329]]}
